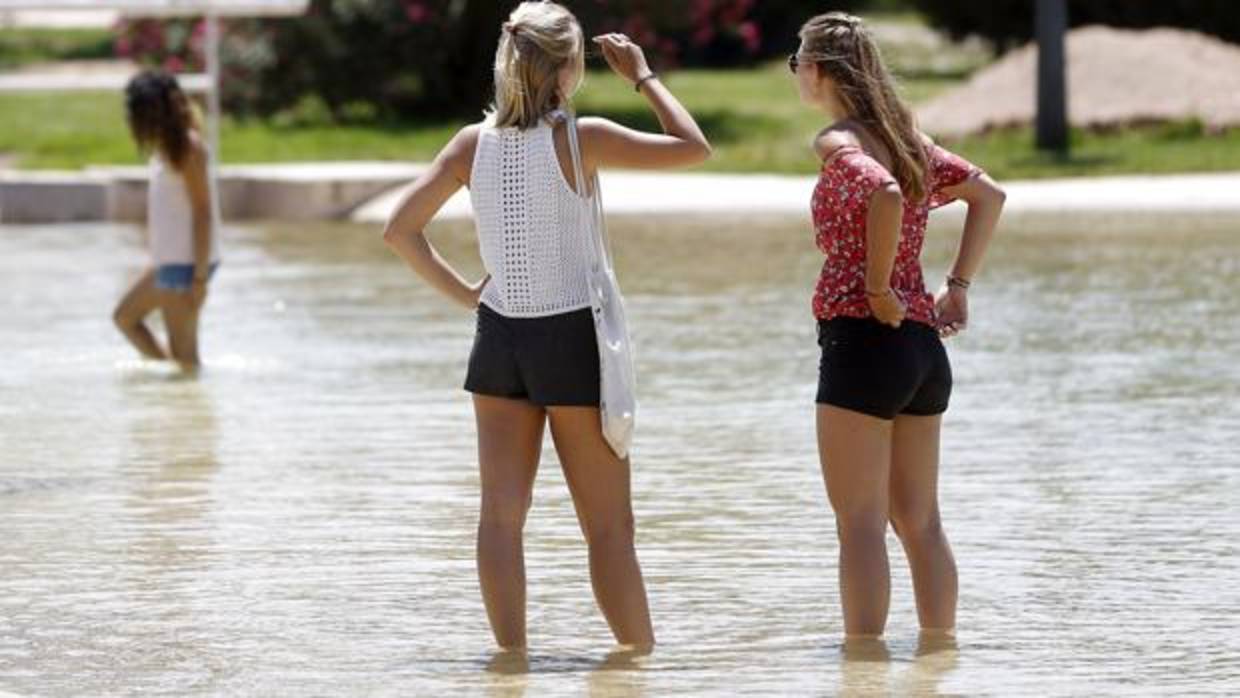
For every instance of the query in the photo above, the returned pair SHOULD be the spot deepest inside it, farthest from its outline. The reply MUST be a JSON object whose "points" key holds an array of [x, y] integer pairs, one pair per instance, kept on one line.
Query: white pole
{"points": [[213, 89]]}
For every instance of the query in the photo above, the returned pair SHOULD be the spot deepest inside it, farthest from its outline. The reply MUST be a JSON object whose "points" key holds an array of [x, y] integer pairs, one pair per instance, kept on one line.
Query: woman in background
{"points": [[182, 221]]}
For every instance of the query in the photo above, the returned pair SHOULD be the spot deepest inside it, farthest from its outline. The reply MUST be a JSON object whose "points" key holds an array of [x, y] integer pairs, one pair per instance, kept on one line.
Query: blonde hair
{"points": [[537, 41], [843, 47]]}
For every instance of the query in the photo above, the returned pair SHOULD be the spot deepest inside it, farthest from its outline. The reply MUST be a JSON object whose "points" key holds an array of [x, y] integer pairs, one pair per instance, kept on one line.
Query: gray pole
{"points": [[213, 92], [1051, 23]]}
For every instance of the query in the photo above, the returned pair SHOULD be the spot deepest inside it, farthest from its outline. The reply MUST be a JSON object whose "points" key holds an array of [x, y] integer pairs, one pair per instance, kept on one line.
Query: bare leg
{"points": [[915, 515], [599, 482], [181, 318], [509, 445], [139, 301], [855, 450]]}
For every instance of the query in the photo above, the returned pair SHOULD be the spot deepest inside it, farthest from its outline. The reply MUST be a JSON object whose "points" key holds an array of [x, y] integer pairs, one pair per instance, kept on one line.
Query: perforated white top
{"points": [[531, 230]]}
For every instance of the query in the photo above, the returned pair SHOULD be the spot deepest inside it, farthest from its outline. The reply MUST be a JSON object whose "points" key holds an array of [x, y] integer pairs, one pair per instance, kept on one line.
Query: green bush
{"points": [[412, 59]]}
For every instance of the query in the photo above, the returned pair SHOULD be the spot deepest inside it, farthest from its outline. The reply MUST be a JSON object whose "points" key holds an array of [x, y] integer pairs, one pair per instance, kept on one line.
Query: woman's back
{"points": [[170, 215], [530, 228]]}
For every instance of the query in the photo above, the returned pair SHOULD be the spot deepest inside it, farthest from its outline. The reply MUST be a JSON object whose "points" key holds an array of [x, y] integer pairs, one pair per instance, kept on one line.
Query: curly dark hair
{"points": [[160, 115]]}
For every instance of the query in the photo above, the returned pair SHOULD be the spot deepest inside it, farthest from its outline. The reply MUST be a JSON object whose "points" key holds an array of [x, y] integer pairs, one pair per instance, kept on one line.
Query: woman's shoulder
{"points": [[594, 128], [845, 158], [468, 135], [464, 143], [833, 140], [198, 151]]}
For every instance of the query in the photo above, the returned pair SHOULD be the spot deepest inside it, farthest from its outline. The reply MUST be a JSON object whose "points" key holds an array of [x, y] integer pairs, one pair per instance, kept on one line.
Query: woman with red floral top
{"points": [[884, 378]]}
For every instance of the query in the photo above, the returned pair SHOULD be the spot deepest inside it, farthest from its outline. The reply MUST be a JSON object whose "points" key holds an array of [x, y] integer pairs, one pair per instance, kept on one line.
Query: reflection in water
{"points": [[869, 667], [619, 674], [172, 457], [865, 667], [936, 656], [171, 461], [507, 674]]}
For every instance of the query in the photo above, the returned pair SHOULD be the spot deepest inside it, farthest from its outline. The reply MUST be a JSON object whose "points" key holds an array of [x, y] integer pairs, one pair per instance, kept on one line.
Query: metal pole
{"points": [[1051, 23], [213, 89]]}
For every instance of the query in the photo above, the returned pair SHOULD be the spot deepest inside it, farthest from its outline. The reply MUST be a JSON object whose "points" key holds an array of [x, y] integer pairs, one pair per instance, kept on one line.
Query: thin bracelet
{"points": [[637, 86], [959, 282], [880, 294]]}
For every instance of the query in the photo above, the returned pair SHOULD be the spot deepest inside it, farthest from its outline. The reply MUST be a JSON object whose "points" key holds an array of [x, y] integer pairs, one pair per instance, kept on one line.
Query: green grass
{"points": [[1165, 149], [753, 118]]}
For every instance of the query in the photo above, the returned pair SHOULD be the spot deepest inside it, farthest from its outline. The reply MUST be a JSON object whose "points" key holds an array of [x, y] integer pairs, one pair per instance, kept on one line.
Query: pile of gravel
{"points": [[1115, 78]]}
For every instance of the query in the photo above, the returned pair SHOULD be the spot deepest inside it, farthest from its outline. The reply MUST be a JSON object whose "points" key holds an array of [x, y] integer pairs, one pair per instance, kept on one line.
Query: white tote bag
{"points": [[618, 389]]}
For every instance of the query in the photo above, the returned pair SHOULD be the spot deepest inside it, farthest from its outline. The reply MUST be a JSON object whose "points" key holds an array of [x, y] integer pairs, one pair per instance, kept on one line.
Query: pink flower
{"points": [[417, 12], [751, 36]]}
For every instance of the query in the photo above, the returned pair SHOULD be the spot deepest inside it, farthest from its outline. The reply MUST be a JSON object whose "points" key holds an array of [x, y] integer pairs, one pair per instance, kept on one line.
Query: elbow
{"points": [[705, 151], [998, 197], [693, 152], [991, 194], [889, 196]]}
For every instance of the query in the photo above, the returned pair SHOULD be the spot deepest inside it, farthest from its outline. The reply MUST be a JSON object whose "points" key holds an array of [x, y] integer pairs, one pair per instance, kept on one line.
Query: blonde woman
{"points": [[884, 377], [535, 360]]}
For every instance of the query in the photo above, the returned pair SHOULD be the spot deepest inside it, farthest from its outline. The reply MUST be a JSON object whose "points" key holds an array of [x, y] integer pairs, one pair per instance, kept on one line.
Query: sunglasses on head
{"points": [[795, 59]]}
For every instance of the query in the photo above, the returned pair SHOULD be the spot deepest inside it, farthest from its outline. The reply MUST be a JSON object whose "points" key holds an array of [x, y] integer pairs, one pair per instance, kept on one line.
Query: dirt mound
{"points": [[1115, 77]]}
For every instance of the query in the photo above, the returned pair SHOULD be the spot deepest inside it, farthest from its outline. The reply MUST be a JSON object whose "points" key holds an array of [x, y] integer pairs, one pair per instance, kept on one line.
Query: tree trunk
{"points": [[1051, 22]]}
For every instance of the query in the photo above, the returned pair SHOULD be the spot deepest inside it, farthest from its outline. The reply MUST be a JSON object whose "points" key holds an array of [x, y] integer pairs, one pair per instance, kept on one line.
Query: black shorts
{"points": [[551, 360], [882, 371]]}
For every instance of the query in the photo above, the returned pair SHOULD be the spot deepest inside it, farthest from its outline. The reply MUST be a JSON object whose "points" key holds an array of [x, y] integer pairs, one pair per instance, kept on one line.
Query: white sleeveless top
{"points": [[170, 216], [530, 228]]}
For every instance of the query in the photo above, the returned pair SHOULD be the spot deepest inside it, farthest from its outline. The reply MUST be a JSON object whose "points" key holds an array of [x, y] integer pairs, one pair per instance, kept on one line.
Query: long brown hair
{"points": [[160, 115], [538, 40], [843, 47]]}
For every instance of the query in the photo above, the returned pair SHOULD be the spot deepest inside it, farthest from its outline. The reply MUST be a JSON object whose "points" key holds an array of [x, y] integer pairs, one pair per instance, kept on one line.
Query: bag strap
{"points": [[599, 243]]}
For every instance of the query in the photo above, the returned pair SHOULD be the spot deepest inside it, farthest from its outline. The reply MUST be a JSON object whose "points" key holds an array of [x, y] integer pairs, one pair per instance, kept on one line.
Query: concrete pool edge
{"points": [[368, 192]]}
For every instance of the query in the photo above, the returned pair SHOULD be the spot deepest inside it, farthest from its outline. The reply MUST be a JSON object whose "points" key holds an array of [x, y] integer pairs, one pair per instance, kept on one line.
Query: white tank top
{"points": [[530, 229], [170, 216]]}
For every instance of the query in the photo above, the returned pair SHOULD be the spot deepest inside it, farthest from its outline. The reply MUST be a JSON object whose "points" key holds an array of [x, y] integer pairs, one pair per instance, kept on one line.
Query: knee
{"points": [[122, 319], [504, 513], [917, 528], [616, 531], [861, 525]]}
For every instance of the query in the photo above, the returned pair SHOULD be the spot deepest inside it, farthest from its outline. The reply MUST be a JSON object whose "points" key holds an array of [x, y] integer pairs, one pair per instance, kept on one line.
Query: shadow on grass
{"points": [[723, 125], [945, 74], [1067, 161]]}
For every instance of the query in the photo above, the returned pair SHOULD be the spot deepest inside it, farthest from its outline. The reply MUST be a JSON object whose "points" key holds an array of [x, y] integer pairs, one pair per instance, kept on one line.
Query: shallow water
{"points": [[298, 520]]}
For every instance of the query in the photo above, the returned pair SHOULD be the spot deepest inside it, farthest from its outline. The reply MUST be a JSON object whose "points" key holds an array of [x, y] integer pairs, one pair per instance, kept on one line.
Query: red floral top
{"points": [[840, 205]]}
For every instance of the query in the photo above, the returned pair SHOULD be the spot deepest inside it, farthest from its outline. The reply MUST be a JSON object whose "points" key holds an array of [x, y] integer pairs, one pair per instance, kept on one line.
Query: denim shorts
{"points": [[178, 277]]}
